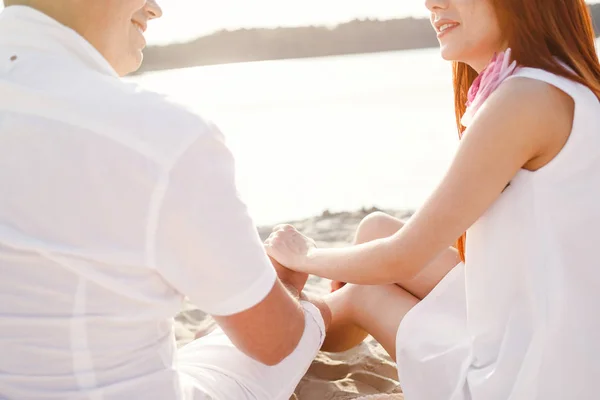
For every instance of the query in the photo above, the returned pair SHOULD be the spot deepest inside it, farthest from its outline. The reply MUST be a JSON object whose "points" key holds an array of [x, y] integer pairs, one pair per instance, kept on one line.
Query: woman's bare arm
{"points": [[523, 122]]}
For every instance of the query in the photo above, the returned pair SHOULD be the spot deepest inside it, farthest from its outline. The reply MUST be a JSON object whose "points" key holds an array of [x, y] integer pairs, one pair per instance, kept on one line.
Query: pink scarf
{"points": [[488, 80]]}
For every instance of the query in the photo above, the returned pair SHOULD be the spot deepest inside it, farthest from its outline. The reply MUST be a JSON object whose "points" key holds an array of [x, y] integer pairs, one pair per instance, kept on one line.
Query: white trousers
{"points": [[213, 368]]}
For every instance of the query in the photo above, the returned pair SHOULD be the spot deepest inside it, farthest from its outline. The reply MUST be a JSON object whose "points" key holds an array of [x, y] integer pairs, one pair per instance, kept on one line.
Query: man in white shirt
{"points": [[115, 205]]}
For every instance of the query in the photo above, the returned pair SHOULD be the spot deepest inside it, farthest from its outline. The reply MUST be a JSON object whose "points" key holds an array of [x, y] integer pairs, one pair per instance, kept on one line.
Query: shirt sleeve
{"points": [[206, 245]]}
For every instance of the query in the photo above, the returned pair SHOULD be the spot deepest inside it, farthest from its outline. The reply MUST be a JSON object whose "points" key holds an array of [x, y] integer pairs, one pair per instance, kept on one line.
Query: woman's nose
{"points": [[433, 5], [153, 9]]}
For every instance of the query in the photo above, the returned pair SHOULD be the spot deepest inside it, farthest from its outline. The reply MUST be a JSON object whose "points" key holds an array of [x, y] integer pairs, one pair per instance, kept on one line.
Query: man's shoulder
{"points": [[150, 119], [154, 118], [121, 110]]}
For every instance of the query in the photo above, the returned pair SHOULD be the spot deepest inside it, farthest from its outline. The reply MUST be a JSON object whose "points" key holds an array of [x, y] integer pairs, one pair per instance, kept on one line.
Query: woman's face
{"points": [[468, 30]]}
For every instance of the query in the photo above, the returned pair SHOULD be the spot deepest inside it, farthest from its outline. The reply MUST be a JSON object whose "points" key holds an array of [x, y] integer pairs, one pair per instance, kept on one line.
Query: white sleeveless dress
{"points": [[520, 320]]}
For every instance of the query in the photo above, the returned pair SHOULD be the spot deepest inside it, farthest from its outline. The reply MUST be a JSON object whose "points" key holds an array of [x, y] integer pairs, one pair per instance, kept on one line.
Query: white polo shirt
{"points": [[115, 204]]}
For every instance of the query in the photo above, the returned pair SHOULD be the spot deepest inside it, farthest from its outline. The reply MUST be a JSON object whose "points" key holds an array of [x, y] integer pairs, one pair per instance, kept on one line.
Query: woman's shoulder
{"points": [[540, 93], [532, 90], [538, 90], [531, 112], [548, 79], [530, 98]]}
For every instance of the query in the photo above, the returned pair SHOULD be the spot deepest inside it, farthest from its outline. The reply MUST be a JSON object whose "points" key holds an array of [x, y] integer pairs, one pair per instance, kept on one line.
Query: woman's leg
{"points": [[379, 225], [378, 310], [361, 310]]}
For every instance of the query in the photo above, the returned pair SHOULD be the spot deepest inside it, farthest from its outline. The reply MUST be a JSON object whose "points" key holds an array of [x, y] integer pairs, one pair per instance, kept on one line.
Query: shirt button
{"points": [[13, 58]]}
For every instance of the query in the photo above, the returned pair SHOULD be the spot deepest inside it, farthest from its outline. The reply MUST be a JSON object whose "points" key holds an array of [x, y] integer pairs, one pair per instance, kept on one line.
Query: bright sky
{"points": [[187, 19]]}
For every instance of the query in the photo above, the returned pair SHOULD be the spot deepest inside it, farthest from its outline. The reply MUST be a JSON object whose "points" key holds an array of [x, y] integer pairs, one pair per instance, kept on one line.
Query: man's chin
{"points": [[133, 66]]}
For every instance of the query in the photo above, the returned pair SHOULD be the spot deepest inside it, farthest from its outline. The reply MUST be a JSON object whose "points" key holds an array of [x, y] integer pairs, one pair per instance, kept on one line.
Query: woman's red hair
{"points": [[539, 32]]}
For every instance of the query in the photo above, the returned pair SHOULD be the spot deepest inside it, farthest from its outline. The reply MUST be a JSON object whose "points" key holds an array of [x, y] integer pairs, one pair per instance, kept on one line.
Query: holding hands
{"points": [[289, 252], [290, 248]]}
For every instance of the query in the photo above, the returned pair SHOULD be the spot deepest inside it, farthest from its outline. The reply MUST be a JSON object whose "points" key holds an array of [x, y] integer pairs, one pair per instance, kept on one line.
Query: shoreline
{"points": [[334, 229]]}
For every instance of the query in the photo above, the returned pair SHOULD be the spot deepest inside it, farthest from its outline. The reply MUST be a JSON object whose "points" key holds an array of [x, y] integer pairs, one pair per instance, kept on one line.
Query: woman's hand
{"points": [[290, 248]]}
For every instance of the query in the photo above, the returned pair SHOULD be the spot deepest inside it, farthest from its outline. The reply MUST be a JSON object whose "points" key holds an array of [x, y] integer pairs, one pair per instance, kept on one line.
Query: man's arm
{"points": [[207, 247], [281, 305], [271, 330]]}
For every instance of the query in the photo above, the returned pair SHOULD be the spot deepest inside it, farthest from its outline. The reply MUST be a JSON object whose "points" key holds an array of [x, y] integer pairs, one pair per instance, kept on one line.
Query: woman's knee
{"points": [[375, 226]]}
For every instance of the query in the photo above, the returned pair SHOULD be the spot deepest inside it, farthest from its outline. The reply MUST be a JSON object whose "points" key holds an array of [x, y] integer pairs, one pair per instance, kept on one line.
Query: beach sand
{"points": [[365, 372]]}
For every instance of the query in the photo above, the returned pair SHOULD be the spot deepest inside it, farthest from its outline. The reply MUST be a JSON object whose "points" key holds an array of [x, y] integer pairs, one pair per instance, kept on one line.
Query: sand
{"points": [[365, 372]]}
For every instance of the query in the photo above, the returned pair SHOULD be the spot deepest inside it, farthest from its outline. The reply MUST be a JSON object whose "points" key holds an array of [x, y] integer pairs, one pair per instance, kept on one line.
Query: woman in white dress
{"points": [[508, 312]]}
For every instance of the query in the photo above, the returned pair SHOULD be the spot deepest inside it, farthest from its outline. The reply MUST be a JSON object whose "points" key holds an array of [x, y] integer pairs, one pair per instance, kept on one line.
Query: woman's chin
{"points": [[448, 54]]}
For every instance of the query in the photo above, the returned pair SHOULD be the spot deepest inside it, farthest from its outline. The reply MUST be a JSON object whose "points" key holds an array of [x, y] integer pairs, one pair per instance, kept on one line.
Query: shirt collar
{"points": [[24, 26]]}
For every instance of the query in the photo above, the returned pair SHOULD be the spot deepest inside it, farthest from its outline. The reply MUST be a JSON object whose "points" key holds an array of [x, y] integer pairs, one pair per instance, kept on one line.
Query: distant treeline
{"points": [[358, 36]]}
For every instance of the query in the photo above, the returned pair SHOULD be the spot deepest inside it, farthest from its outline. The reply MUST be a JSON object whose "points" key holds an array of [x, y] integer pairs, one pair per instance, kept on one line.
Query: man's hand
{"points": [[297, 280], [288, 277]]}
